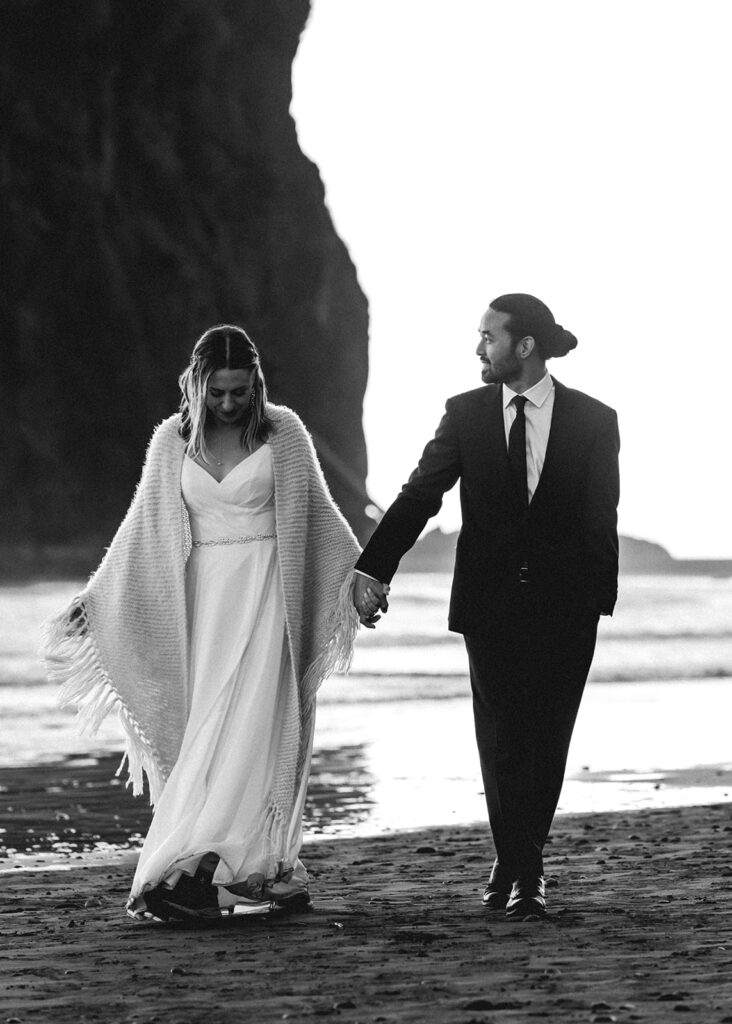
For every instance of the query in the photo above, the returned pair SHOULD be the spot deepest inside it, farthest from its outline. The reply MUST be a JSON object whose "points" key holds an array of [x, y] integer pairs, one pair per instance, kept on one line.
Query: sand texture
{"points": [[639, 929]]}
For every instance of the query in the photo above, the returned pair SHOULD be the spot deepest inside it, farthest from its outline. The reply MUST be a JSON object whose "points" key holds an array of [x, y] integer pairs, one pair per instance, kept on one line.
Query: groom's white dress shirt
{"points": [[538, 411]]}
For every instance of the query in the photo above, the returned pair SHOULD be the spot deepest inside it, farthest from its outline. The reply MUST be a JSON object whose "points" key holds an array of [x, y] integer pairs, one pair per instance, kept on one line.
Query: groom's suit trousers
{"points": [[527, 681]]}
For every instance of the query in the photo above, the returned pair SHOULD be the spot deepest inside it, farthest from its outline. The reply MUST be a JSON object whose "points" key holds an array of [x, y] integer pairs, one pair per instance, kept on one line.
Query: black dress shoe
{"points": [[527, 901], [496, 893]]}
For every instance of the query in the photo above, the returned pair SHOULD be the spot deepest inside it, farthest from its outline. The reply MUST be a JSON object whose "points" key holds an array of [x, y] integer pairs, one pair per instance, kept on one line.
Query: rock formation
{"points": [[153, 185]]}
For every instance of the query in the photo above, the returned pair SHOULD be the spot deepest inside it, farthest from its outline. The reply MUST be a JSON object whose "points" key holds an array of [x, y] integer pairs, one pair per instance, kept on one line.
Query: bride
{"points": [[220, 606]]}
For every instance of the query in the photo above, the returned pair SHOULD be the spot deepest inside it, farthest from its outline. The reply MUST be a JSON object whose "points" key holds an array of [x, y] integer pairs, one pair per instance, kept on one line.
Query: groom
{"points": [[536, 564]]}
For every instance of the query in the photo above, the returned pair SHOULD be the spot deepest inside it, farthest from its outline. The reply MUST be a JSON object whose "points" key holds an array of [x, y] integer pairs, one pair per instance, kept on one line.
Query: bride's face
{"points": [[228, 394]]}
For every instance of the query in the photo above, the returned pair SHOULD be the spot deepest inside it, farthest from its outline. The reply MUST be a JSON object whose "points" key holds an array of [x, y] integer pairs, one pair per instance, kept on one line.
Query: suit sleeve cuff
{"points": [[360, 573]]}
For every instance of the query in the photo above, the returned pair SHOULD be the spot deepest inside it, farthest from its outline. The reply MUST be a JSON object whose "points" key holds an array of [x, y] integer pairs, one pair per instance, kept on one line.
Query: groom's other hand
{"points": [[369, 597]]}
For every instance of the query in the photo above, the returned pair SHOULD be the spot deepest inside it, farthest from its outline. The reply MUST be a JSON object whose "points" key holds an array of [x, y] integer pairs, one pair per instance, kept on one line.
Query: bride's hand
{"points": [[369, 597]]}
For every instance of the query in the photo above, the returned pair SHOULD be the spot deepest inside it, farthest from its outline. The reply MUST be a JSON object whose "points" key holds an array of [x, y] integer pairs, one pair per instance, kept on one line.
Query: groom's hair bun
{"points": [[559, 344], [530, 316]]}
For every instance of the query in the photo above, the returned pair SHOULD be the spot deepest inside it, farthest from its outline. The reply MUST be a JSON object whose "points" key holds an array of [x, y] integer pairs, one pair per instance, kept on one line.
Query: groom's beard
{"points": [[501, 371]]}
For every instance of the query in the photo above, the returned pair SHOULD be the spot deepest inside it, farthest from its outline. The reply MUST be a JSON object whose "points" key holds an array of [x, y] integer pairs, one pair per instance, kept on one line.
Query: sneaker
{"points": [[190, 898], [292, 903]]}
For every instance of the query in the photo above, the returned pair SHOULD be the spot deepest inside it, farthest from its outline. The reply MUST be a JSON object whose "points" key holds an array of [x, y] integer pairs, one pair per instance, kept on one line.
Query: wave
{"points": [[627, 674], [644, 674], [375, 689], [607, 635]]}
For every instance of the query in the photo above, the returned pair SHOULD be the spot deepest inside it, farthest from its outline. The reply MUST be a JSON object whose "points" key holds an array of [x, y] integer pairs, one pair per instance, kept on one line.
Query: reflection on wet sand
{"points": [[77, 806], [69, 808], [340, 791]]}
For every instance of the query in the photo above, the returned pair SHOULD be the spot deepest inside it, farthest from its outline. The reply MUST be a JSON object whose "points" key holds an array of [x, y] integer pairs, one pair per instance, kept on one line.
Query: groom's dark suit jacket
{"points": [[568, 538]]}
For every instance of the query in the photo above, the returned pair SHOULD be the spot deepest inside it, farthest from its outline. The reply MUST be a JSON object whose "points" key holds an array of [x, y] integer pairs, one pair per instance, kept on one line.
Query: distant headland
{"points": [[435, 552]]}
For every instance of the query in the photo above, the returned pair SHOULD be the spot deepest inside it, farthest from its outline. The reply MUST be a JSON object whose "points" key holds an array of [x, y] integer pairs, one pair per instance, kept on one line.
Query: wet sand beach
{"points": [[639, 929], [640, 890]]}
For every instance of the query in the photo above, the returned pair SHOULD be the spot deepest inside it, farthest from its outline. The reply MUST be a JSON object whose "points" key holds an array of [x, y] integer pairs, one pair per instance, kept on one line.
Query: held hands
{"points": [[369, 598]]}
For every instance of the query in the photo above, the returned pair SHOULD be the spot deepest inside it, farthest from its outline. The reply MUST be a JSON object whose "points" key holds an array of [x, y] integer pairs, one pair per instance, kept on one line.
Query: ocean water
{"points": [[395, 738], [664, 627]]}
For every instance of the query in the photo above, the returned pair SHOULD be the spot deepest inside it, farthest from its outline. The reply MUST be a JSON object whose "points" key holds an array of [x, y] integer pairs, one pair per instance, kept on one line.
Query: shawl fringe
{"points": [[73, 661], [336, 653]]}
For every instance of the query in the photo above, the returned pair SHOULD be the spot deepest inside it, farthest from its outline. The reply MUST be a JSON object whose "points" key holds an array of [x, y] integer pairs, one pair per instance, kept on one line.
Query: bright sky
{"points": [[578, 151]]}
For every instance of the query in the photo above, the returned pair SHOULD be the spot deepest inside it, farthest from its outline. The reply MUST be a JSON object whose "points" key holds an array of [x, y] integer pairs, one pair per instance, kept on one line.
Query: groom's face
{"points": [[497, 352]]}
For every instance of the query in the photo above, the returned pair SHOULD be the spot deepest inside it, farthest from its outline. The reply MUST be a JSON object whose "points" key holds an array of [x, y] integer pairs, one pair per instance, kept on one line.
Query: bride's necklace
{"points": [[218, 456]]}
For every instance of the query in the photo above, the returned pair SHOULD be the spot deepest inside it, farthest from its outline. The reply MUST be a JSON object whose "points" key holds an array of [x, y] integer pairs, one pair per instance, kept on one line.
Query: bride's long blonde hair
{"points": [[223, 347]]}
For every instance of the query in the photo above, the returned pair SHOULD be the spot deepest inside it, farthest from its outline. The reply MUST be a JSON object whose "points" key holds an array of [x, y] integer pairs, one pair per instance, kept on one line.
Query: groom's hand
{"points": [[369, 597]]}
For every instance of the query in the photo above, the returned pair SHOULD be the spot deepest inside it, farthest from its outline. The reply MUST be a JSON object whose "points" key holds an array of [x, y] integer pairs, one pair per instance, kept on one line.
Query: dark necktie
{"points": [[517, 451]]}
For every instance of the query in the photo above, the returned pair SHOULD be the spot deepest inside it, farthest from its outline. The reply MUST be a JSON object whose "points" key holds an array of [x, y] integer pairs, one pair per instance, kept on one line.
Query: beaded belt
{"points": [[234, 540]]}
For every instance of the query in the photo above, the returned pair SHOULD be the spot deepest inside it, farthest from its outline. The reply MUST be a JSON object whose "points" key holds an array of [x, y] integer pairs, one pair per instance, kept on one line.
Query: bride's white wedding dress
{"points": [[233, 791]]}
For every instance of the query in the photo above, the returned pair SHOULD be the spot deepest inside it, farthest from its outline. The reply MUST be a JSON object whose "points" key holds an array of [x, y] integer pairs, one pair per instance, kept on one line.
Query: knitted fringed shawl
{"points": [[122, 644]]}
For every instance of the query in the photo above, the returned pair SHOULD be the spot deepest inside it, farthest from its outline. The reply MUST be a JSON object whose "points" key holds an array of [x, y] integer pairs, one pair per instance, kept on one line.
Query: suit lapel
{"points": [[494, 431], [559, 444], [493, 440]]}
